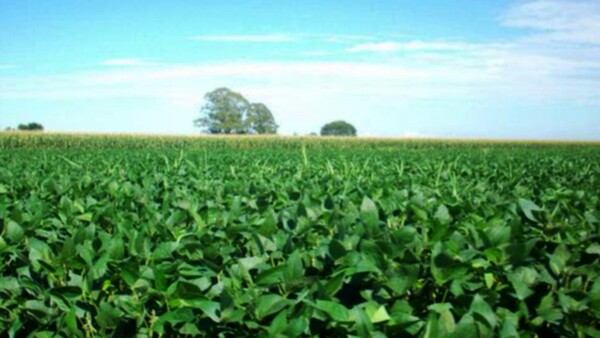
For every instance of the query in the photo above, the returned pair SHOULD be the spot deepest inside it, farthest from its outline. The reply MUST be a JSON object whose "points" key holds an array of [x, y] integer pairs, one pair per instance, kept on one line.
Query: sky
{"points": [[522, 69]]}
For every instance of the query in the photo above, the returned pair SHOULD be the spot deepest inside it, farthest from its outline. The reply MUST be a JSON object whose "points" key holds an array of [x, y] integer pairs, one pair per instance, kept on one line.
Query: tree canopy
{"points": [[338, 128], [32, 126], [260, 120], [229, 112]]}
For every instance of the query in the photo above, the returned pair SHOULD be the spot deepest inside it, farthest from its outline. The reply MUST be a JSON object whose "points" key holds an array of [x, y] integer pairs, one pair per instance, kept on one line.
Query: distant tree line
{"points": [[31, 126], [228, 112]]}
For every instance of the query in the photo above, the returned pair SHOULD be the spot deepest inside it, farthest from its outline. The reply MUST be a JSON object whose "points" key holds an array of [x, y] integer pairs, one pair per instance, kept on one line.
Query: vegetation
{"points": [[32, 126], [228, 112], [297, 237], [338, 128]]}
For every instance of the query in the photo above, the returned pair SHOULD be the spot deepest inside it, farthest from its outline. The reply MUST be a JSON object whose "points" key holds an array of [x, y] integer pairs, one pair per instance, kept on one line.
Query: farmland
{"points": [[289, 237]]}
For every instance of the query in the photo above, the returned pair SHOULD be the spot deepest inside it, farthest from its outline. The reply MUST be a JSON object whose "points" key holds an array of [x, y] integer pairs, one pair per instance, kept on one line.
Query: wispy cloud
{"points": [[416, 45], [7, 66], [284, 37], [316, 53], [476, 76], [264, 38], [126, 62], [344, 38], [575, 21]]}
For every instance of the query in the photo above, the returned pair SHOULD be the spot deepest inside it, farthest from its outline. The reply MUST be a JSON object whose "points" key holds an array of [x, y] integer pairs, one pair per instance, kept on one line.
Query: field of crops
{"points": [[294, 237]]}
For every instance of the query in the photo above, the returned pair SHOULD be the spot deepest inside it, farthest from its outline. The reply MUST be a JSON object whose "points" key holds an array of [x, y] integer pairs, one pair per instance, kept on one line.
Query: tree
{"points": [[229, 112], [223, 112], [260, 120], [338, 128], [32, 126]]}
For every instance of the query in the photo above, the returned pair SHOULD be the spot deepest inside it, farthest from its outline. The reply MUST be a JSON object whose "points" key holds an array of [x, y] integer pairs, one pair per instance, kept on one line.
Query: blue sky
{"points": [[498, 69]]}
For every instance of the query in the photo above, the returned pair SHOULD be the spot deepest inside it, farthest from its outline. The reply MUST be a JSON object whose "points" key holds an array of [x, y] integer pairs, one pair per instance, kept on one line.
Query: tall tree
{"points": [[224, 112], [338, 128], [260, 120], [228, 112]]}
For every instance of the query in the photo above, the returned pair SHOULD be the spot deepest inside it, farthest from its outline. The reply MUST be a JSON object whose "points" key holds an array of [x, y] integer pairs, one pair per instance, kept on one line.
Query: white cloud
{"points": [[265, 38], [416, 45], [126, 62], [374, 47], [479, 75], [282, 38], [315, 53], [575, 21], [344, 38]]}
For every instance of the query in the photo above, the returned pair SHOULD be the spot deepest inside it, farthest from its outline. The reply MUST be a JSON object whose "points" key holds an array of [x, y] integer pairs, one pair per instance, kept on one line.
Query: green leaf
{"points": [[558, 260], [39, 251], [442, 215], [87, 217], [380, 315], [190, 329], [440, 307], [297, 327], [548, 312], [164, 250], [444, 323], [210, 309], [466, 328], [116, 248], [444, 267], [369, 213], [593, 249], [419, 212], [270, 304], [250, 263], [336, 249], [480, 307], [336, 311], [498, 234], [489, 280], [510, 324], [364, 327], [177, 316], [10, 284], [271, 276], [108, 317], [521, 279], [278, 325], [332, 286], [100, 267], [14, 232], [528, 207], [294, 269]]}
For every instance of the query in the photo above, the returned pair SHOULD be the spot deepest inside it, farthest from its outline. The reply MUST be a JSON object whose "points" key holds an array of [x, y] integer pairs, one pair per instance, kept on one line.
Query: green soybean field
{"points": [[142, 236]]}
